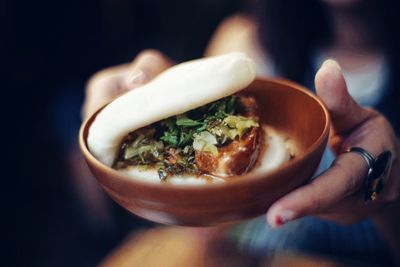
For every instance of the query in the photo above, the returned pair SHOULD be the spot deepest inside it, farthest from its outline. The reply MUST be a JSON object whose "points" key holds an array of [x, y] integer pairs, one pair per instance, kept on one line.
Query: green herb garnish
{"points": [[169, 145]]}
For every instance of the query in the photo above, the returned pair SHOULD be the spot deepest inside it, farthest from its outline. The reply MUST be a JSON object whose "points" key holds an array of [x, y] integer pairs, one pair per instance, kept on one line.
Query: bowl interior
{"points": [[291, 110]]}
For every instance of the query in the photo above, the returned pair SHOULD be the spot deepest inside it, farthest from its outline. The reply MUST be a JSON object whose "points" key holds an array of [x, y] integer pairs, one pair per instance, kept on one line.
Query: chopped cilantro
{"points": [[168, 145]]}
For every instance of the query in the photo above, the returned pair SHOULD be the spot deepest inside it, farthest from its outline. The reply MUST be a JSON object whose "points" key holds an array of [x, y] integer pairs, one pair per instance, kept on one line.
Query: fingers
{"points": [[146, 66], [331, 87], [101, 88], [337, 194], [340, 181], [112, 82]]}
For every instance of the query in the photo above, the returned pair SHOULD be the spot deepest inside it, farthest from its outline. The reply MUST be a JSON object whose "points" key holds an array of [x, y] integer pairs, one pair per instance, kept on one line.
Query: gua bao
{"points": [[188, 125]]}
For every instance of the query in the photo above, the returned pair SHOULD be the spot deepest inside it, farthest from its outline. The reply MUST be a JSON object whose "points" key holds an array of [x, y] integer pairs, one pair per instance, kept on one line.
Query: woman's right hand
{"points": [[109, 83]]}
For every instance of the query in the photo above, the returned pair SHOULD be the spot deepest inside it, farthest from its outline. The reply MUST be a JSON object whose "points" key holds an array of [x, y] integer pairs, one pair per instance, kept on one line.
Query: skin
{"points": [[109, 83], [337, 194]]}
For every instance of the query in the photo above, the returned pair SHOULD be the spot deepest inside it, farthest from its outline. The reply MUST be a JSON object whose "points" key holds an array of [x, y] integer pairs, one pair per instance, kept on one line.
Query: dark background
{"points": [[48, 51]]}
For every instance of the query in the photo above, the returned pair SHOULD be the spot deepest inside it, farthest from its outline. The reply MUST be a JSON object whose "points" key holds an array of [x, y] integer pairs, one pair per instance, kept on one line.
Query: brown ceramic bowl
{"points": [[284, 105]]}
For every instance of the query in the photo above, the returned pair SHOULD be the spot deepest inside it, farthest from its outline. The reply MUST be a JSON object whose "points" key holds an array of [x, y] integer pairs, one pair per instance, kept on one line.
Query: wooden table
{"points": [[180, 246]]}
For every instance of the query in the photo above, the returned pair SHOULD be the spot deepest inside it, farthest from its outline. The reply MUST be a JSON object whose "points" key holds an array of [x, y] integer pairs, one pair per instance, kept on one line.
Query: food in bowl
{"points": [[191, 125]]}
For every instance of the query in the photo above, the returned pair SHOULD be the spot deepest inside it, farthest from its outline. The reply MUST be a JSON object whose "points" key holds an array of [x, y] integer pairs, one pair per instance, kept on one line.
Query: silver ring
{"points": [[369, 159], [378, 170]]}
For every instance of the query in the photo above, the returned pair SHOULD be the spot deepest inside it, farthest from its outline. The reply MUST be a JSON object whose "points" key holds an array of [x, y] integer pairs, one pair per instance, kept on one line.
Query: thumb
{"points": [[331, 87], [337, 182]]}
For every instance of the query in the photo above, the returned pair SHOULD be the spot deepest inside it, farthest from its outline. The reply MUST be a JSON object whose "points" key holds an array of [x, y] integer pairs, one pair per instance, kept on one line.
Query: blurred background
{"points": [[49, 49], [53, 213]]}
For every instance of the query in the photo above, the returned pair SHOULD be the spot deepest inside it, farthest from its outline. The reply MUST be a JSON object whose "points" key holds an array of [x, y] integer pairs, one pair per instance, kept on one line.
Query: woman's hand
{"points": [[101, 89], [112, 82], [337, 194]]}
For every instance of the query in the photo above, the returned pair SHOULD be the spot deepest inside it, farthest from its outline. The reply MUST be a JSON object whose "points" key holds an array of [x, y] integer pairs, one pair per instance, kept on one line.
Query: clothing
{"points": [[360, 242]]}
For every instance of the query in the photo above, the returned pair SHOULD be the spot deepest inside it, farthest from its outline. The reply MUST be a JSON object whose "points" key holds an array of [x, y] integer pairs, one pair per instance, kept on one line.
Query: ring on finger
{"points": [[378, 169]]}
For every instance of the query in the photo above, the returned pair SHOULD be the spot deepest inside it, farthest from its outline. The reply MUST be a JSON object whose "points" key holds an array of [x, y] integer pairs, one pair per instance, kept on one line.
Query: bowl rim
{"points": [[117, 175]]}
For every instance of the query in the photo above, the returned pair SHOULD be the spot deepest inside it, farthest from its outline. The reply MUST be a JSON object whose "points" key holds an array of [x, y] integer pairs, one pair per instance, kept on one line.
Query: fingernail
{"points": [[282, 218], [333, 63], [136, 77]]}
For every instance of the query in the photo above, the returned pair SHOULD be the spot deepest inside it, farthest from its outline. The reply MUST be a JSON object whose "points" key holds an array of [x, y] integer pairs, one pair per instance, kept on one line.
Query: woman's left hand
{"points": [[338, 193]]}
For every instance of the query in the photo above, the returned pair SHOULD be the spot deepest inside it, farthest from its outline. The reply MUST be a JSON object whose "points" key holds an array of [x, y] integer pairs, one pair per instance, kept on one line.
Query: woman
{"points": [[292, 38]]}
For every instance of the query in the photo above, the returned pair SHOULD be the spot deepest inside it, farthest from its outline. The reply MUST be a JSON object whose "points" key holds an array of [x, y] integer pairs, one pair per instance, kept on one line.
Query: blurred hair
{"points": [[291, 30], [290, 33]]}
